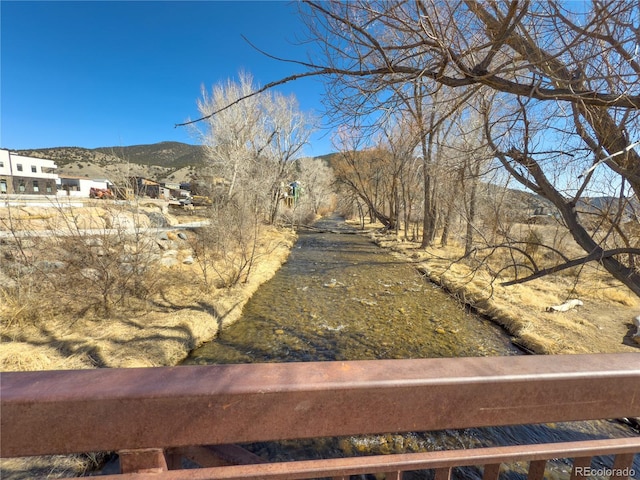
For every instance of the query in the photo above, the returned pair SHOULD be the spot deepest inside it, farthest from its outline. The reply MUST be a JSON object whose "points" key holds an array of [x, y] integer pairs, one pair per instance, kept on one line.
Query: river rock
{"points": [[168, 262], [51, 265], [91, 274], [135, 269], [94, 242]]}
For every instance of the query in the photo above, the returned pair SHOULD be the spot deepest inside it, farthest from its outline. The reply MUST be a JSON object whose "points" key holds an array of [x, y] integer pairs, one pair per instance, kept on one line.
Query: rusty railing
{"points": [[154, 417]]}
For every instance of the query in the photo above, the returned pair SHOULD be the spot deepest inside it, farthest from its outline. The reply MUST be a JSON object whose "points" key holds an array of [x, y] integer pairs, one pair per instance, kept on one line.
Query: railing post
{"points": [[621, 466], [443, 473], [536, 469], [148, 460], [491, 472], [580, 467]]}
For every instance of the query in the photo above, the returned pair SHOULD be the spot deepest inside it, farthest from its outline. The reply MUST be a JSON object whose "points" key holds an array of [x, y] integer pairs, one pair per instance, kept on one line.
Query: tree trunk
{"points": [[446, 225], [471, 216]]}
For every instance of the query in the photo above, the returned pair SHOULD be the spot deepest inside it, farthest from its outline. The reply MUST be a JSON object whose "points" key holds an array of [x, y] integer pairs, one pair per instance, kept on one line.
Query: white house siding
{"points": [[5, 172], [27, 175], [79, 187]]}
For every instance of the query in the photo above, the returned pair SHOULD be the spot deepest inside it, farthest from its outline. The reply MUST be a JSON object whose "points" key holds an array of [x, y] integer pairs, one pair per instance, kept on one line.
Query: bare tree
{"points": [[369, 173], [229, 136], [549, 62], [253, 146], [288, 131], [548, 59], [318, 180]]}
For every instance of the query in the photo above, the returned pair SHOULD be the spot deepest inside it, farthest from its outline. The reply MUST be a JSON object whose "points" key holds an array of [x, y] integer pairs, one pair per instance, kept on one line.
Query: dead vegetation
{"points": [[127, 296], [103, 287]]}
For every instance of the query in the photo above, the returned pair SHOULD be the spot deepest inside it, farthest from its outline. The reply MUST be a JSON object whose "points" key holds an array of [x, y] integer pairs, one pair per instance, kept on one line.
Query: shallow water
{"points": [[340, 297]]}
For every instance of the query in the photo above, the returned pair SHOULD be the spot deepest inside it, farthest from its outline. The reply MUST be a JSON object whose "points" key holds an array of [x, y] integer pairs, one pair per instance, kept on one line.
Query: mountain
{"points": [[597, 206], [163, 154], [164, 161]]}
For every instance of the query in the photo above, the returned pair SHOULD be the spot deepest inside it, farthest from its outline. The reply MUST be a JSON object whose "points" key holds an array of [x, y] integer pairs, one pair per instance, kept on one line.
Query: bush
{"points": [[96, 272]]}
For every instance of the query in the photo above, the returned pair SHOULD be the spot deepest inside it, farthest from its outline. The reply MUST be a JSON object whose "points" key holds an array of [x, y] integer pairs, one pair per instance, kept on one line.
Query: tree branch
{"points": [[595, 256]]}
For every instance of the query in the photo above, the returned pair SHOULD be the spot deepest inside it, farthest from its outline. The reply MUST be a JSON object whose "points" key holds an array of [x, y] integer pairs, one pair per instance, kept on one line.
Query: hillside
{"points": [[164, 154], [164, 161]]}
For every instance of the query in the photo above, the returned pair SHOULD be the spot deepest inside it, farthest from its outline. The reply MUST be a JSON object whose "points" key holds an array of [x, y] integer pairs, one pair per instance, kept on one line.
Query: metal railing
{"points": [[154, 417]]}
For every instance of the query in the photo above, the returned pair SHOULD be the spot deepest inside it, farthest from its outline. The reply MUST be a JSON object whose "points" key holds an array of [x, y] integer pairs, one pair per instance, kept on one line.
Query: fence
{"points": [[155, 417]]}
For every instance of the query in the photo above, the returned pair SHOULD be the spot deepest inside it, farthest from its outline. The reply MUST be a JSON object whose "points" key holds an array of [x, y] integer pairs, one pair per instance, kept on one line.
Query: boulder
{"points": [[156, 219], [91, 274], [51, 265], [169, 262]]}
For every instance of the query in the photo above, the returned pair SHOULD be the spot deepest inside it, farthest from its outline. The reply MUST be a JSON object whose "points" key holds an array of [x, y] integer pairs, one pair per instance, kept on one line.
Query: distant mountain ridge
{"points": [[164, 161], [163, 154]]}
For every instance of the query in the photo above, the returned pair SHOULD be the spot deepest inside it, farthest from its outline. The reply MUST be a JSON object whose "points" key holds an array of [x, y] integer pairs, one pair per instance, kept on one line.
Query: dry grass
{"points": [[161, 331], [181, 317], [50, 466], [602, 325]]}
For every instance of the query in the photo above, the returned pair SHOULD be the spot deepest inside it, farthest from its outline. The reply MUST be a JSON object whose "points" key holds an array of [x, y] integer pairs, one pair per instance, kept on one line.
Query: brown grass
{"points": [[182, 317], [161, 332]]}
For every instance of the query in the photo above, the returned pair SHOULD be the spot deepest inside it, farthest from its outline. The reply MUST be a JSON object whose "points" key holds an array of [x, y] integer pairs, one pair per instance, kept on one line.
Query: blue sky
{"points": [[94, 74]]}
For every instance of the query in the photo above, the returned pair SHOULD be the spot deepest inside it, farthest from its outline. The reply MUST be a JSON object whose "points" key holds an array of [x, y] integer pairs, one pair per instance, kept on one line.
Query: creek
{"points": [[341, 297]]}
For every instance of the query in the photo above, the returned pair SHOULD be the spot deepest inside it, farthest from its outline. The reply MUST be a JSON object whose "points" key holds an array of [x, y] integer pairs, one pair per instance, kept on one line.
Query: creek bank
{"points": [[183, 318], [183, 314], [604, 324]]}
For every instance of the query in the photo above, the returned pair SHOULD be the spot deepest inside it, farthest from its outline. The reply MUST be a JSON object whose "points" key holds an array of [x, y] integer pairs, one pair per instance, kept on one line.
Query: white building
{"points": [[80, 187], [26, 175]]}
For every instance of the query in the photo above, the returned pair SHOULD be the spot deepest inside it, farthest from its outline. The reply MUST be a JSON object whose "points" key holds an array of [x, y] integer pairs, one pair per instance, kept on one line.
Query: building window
{"points": [[49, 190], [1, 164], [3, 186], [34, 169], [36, 187], [19, 167], [21, 187]]}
